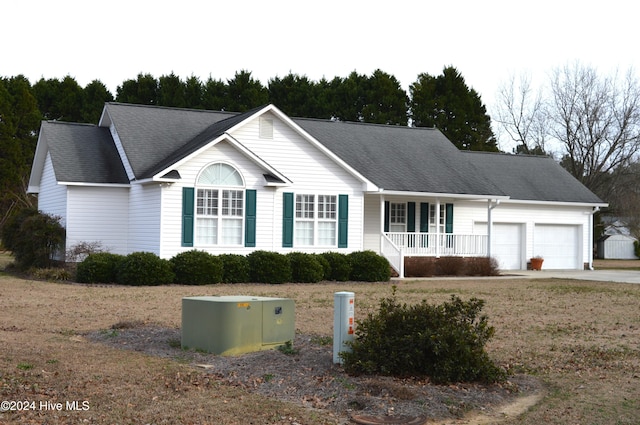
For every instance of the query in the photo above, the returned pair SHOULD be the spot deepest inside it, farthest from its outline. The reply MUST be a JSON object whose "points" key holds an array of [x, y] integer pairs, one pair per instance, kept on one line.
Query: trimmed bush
{"points": [[235, 268], [269, 267], [305, 268], [367, 266], [450, 266], [100, 267], [419, 266], [444, 342], [144, 269], [481, 266], [340, 266], [196, 268], [326, 267]]}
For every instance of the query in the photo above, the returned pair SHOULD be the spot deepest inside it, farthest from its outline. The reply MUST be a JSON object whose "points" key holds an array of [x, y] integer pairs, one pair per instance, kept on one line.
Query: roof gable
{"points": [[151, 134], [80, 153]]}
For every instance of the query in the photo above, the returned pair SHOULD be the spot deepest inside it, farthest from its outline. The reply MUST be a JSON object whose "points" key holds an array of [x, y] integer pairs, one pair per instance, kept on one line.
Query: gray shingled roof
{"points": [[394, 158], [531, 178], [399, 158], [83, 153], [151, 134]]}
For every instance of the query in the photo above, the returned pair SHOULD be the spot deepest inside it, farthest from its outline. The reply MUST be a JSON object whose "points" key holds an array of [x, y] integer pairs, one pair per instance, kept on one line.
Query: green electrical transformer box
{"points": [[229, 325]]}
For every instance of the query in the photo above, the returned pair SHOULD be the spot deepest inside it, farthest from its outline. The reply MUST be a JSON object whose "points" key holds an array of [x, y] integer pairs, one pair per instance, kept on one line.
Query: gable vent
{"points": [[266, 128]]}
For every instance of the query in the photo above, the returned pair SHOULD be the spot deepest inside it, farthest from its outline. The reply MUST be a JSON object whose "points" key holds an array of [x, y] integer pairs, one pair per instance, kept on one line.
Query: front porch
{"points": [[395, 246]]}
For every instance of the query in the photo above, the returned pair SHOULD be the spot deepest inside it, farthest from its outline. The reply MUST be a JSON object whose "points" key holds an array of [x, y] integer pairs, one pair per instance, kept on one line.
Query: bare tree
{"points": [[597, 119], [520, 113]]}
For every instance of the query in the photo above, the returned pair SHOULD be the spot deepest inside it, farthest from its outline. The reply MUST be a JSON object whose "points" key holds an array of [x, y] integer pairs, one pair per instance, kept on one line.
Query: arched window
{"points": [[219, 206]]}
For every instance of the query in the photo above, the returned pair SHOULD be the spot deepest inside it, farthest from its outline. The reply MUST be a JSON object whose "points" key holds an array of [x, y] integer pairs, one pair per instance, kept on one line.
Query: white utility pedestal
{"points": [[343, 323]]}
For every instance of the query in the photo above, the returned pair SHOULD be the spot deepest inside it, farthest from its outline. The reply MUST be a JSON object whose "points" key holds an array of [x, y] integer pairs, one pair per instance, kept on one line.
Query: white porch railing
{"points": [[397, 245]]}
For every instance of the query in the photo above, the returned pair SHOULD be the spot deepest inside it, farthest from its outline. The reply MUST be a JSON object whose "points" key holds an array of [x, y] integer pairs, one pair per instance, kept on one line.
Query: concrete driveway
{"points": [[621, 276]]}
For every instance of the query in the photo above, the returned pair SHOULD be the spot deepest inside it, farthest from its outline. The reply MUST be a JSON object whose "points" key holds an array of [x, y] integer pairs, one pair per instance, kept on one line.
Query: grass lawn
{"points": [[581, 339]]}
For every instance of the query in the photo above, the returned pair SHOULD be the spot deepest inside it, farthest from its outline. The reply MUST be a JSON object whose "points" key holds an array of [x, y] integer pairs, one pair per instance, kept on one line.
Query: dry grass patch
{"points": [[580, 339]]}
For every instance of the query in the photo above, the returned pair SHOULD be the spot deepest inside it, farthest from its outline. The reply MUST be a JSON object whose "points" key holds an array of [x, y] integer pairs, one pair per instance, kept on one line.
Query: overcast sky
{"points": [[487, 41]]}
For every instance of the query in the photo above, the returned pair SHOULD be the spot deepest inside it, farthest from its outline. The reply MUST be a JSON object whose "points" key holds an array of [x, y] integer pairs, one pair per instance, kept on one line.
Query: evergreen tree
{"points": [[96, 95], [19, 123], [297, 96], [245, 93], [194, 93], [143, 90], [385, 100], [213, 96], [171, 91], [447, 103]]}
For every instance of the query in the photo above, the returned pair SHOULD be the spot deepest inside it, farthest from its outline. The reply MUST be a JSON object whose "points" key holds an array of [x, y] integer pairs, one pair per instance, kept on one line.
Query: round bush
{"points": [[100, 267], [269, 267], [444, 342], [367, 266], [305, 268], [339, 266], [144, 269], [235, 268], [196, 268], [326, 267]]}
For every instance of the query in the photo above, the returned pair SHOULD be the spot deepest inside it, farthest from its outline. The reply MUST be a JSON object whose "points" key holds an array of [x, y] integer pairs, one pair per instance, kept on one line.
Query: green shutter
{"points": [[188, 204], [287, 220], [387, 206], [448, 225], [411, 216], [424, 217], [343, 220], [250, 218]]}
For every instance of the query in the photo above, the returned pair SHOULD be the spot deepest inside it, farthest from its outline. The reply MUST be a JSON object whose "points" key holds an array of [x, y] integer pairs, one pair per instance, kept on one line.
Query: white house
{"points": [[166, 180]]}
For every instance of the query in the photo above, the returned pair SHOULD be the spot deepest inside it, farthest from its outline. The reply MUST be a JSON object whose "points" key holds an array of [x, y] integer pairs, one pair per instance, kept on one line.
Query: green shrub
{"points": [[144, 269], [444, 342], [367, 266], [326, 267], [340, 266], [196, 268], [235, 268], [305, 268], [100, 267], [269, 267], [34, 238]]}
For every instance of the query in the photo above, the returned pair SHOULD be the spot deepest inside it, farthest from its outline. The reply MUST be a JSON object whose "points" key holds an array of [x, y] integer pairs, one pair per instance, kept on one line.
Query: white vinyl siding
{"points": [[145, 228], [99, 214], [52, 198]]}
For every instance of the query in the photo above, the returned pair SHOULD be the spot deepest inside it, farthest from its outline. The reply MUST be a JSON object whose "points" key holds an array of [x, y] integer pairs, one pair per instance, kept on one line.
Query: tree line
{"points": [[595, 119], [444, 101]]}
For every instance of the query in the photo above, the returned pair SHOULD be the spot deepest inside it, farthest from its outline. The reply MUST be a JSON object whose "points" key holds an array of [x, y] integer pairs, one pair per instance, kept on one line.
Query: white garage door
{"points": [[559, 245], [507, 247]]}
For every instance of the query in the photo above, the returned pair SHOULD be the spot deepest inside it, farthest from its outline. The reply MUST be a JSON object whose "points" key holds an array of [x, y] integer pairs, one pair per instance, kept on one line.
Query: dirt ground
{"points": [[110, 354]]}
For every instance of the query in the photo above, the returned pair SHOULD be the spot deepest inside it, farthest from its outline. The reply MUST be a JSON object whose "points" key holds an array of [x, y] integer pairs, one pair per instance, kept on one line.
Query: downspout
{"points": [[490, 207], [591, 234]]}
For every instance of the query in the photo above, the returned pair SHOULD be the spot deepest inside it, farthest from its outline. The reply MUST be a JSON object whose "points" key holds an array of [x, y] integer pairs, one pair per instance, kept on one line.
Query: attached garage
{"points": [[560, 245], [507, 245]]}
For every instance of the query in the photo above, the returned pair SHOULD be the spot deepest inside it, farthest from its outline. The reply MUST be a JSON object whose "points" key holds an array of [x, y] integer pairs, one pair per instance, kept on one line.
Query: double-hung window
{"points": [[315, 220], [219, 206], [397, 217]]}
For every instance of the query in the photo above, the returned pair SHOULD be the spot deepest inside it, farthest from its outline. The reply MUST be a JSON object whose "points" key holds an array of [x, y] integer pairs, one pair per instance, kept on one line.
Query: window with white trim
{"points": [[316, 220], [397, 217], [219, 206]]}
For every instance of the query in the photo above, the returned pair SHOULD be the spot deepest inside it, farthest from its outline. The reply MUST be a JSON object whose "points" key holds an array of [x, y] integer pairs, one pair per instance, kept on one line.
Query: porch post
{"points": [[381, 220], [489, 227], [438, 228]]}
